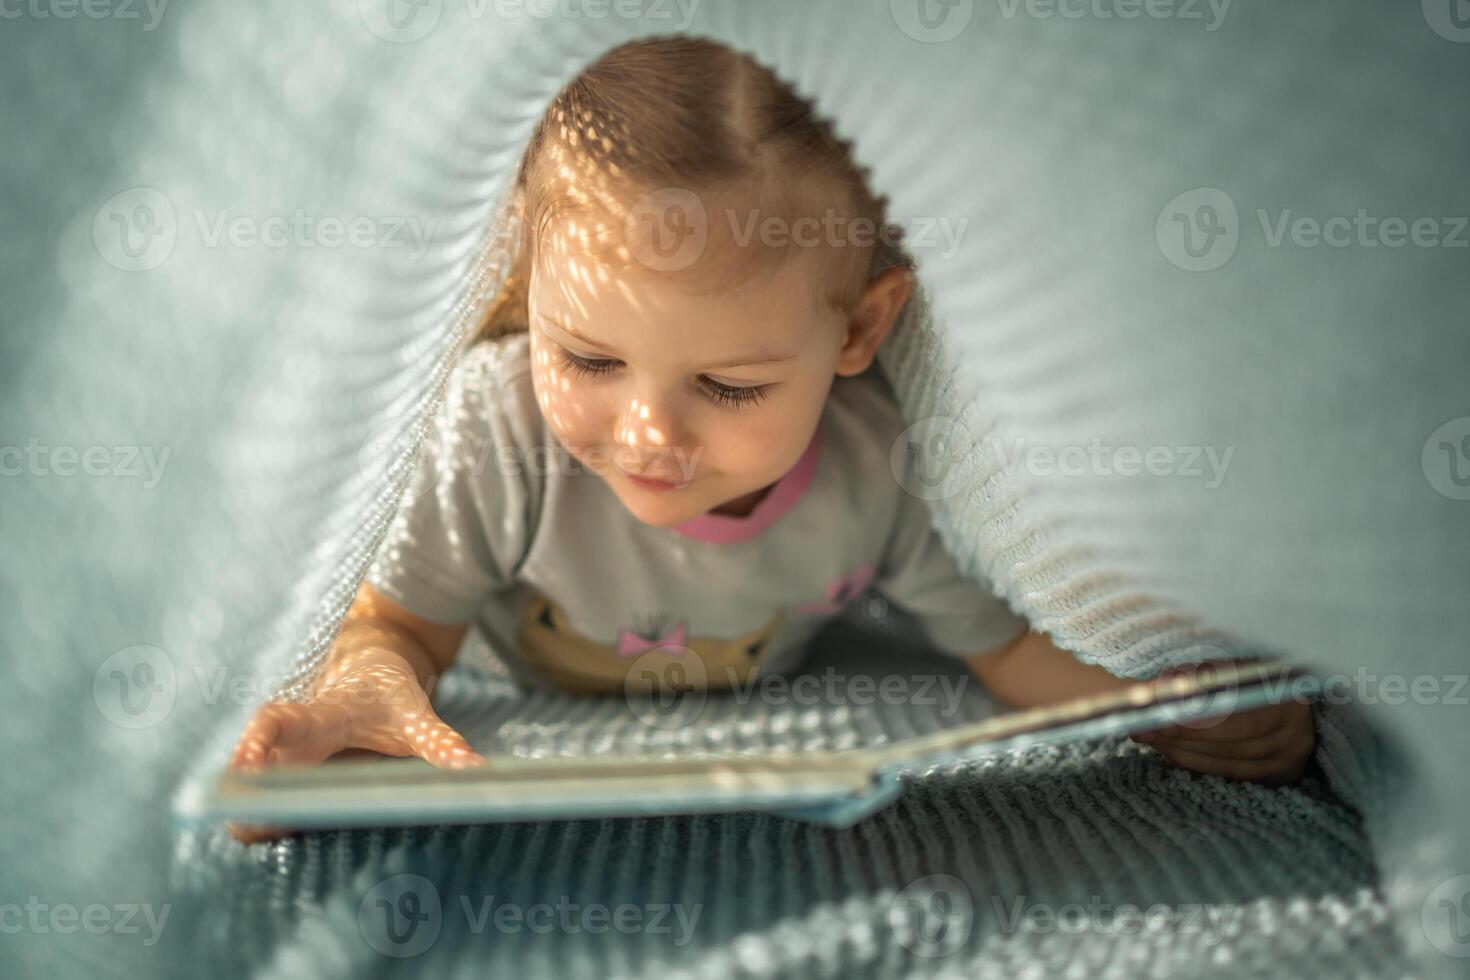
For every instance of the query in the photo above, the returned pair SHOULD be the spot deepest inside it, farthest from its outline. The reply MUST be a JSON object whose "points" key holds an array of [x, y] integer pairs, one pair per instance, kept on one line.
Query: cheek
{"points": [[570, 406], [763, 445]]}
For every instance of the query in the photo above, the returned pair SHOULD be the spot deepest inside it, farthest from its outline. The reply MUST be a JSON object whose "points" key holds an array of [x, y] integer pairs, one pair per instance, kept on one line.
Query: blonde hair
{"points": [[692, 114]]}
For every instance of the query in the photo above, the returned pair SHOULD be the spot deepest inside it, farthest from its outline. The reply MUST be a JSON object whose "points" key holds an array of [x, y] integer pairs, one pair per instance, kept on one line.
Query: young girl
{"points": [[669, 444]]}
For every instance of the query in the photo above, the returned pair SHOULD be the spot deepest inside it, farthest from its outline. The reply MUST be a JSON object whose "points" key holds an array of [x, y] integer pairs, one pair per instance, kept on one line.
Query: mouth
{"points": [[653, 483]]}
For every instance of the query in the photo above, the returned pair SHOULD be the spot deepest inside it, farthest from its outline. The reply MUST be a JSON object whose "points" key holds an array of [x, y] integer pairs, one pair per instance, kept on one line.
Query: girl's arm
{"points": [[378, 631], [1031, 672], [372, 693], [1272, 744]]}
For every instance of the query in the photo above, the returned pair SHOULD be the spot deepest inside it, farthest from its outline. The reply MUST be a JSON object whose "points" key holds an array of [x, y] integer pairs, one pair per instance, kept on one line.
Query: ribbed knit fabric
{"points": [[1041, 852], [289, 386]]}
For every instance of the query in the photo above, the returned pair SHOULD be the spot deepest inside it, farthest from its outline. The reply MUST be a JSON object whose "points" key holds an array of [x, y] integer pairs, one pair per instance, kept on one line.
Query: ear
{"points": [[877, 310]]}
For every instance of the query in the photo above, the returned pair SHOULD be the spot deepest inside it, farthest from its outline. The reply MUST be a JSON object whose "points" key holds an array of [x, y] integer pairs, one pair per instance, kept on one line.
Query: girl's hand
{"points": [[1271, 745], [379, 707]]}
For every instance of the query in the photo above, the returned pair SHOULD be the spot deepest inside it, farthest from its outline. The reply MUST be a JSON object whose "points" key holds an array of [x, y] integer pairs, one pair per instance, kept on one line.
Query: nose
{"points": [[646, 431]]}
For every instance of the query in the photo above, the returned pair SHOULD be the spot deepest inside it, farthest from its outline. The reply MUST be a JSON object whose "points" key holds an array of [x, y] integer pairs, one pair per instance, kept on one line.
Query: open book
{"points": [[835, 787]]}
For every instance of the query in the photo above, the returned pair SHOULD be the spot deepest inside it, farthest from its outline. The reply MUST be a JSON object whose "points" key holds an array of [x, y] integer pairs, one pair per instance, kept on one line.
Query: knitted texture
{"points": [[280, 392], [1026, 863]]}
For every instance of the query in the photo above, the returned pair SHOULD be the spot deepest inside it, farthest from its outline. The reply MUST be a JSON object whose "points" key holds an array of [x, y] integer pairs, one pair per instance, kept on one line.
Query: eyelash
{"points": [[720, 393]]}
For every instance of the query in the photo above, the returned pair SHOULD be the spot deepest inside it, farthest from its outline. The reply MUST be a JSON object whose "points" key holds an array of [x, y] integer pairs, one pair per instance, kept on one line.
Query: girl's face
{"points": [[715, 396]]}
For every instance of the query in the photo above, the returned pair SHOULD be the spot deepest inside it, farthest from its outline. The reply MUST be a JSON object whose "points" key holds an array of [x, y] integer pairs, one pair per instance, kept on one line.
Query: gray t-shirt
{"points": [[503, 529]]}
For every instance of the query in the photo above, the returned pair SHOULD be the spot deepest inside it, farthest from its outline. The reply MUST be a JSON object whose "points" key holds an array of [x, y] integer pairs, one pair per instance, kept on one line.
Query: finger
{"points": [[256, 833], [1269, 771], [285, 733], [1230, 731], [1266, 746], [427, 736], [1252, 723]]}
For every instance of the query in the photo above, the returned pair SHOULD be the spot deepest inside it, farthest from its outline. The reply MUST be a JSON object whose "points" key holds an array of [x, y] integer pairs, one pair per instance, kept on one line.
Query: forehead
{"points": [[612, 297]]}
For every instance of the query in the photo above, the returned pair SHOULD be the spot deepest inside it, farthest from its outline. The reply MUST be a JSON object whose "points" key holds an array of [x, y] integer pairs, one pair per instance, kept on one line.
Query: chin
{"points": [[660, 510]]}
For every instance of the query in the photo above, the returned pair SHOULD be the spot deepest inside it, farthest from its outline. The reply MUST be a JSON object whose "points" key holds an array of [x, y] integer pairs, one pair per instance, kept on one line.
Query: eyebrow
{"points": [[758, 357]]}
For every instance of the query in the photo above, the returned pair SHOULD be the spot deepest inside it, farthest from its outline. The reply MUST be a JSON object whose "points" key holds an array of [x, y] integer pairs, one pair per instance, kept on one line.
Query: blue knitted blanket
{"points": [[1214, 239]]}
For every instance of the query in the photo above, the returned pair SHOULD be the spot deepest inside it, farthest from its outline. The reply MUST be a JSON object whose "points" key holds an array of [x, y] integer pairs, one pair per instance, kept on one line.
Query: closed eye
{"points": [[732, 395], [583, 365], [735, 396]]}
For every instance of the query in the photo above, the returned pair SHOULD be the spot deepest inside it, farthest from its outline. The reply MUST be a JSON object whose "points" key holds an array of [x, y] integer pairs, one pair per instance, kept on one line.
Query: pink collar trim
{"points": [[729, 529]]}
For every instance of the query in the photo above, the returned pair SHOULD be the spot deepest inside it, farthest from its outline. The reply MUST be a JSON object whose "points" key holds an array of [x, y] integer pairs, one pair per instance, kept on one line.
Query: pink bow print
{"points": [[842, 590], [630, 644]]}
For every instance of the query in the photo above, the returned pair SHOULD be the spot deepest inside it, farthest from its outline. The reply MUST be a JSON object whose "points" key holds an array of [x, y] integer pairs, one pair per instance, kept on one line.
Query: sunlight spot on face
{"points": [[565, 385], [654, 436], [643, 412], [581, 307]]}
